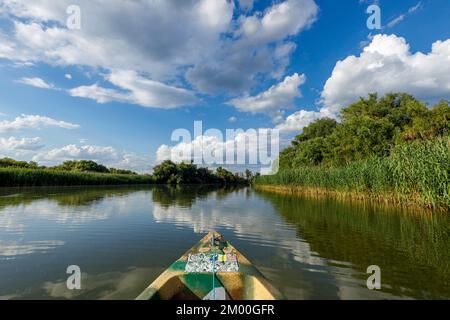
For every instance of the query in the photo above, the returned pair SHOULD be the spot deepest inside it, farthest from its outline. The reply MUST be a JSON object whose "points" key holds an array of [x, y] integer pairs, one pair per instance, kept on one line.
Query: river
{"points": [[122, 238]]}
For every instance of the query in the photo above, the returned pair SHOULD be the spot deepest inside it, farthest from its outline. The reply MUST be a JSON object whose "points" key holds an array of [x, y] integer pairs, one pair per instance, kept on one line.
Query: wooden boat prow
{"points": [[176, 284]]}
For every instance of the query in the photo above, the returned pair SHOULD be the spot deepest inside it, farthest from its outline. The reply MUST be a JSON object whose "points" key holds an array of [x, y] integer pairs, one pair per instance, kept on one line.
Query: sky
{"points": [[115, 87]]}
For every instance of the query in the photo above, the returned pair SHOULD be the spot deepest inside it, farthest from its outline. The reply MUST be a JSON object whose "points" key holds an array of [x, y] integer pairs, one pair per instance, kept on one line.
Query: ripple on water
{"points": [[309, 249]]}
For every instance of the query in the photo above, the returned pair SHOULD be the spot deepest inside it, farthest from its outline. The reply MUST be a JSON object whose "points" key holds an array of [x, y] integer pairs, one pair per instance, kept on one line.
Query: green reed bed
{"points": [[17, 177], [417, 171]]}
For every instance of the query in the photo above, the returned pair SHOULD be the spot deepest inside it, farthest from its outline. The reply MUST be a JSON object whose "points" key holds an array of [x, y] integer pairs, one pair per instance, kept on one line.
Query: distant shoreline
{"points": [[15, 173], [21, 178], [18, 177]]}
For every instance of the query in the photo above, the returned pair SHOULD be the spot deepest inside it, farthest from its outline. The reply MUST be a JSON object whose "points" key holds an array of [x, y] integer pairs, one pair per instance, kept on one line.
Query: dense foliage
{"points": [[169, 172], [11, 163], [393, 145], [370, 127], [82, 166], [20, 177], [78, 166], [19, 173]]}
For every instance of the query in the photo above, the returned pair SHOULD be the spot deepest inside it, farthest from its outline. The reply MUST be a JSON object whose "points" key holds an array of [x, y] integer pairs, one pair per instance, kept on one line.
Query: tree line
{"points": [[81, 171], [169, 172], [371, 127], [394, 148], [77, 165]]}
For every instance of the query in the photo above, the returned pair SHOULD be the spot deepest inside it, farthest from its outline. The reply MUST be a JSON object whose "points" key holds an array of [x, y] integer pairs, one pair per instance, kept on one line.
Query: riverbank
{"points": [[392, 149], [323, 193], [78, 174], [414, 174]]}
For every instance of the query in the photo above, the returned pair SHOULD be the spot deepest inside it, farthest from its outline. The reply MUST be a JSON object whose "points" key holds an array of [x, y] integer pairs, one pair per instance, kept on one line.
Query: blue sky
{"points": [[115, 90]]}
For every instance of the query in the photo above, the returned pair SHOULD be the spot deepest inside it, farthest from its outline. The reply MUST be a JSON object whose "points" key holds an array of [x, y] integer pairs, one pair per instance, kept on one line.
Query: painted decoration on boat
{"points": [[204, 262]]}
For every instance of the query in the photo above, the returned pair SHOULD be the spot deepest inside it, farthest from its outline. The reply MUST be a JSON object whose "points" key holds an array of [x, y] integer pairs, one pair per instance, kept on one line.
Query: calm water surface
{"points": [[123, 238]]}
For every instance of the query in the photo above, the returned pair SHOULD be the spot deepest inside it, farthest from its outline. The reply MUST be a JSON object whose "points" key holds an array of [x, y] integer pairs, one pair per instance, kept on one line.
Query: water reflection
{"points": [[105, 286], [411, 248], [123, 238], [15, 248], [241, 212], [71, 206]]}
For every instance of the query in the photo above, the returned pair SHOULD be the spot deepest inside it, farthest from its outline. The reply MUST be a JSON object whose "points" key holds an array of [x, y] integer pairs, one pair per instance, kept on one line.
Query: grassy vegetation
{"points": [[78, 173], [18, 177], [417, 171], [376, 151]]}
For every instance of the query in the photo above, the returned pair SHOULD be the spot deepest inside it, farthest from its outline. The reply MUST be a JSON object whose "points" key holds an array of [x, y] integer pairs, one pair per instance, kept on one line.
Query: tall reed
{"points": [[17, 177], [417, 171]]}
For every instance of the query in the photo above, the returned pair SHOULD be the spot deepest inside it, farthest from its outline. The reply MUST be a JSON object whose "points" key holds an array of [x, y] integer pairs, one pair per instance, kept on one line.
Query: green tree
{"points": [[165, 172], [248, 175], [369, 127], [311, 152], [287, 156], [440, 118], [82, 166], [318, 129], [11, 163], [434, 123], [226, 176]]}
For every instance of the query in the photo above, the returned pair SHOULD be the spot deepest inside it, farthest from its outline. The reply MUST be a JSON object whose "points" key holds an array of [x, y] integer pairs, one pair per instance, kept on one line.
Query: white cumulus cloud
{"points": [[34, 122], [151, 36], [14, 144], [99, 94], [136, 89], [277, 97], [387, 65], [256, 149], [298, 120], [211, 46], [74, 152], [281, 20], [259, 45]]}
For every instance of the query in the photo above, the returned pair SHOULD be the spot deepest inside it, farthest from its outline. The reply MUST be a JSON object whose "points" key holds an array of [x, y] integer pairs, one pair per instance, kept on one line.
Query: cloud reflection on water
{"points": [[15, 248]]}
